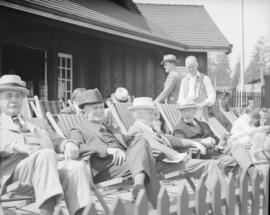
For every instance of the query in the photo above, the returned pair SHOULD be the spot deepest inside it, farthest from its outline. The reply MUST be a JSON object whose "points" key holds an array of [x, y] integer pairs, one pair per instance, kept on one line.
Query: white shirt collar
{"points": [[197, 74]]}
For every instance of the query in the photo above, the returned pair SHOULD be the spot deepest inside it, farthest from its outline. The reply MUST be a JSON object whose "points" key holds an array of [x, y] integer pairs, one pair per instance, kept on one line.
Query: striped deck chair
{"points": [[228, 114], [172, 116], [122, 115]]}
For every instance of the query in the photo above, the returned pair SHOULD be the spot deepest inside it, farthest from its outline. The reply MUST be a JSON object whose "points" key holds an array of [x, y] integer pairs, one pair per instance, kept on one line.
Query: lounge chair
{"points": [[172, 116], [228, 114]]}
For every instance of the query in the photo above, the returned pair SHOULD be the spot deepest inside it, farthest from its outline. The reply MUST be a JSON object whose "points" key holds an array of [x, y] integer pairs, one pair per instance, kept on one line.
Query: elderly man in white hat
{"points": [[167, 158], [28, 155], [231, 156], [197, 86], [171, 88]]}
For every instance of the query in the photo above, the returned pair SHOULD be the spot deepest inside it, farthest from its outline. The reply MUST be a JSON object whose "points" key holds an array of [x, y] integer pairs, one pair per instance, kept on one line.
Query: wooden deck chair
{"points": [[228, 114], [172, 116], [217, 127], [53, 107], [17, 196], [31, 108]]}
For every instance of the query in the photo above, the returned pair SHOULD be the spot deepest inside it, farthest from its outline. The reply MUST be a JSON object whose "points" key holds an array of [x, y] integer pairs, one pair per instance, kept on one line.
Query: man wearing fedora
{"points": [[168, 159], [197, 86], [111, 154], [231, 156], [171, 88], [28, 155]]}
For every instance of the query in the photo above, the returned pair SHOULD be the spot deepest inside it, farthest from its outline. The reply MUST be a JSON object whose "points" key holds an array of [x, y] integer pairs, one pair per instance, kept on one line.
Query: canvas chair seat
{"points": [[228, 114]]}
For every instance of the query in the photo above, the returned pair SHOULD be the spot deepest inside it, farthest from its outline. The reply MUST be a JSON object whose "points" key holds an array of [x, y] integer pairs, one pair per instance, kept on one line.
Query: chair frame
{"points": [[228, 114]]}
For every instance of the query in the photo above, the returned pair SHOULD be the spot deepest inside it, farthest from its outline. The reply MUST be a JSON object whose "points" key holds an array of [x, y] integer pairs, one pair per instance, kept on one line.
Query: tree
{"points": [[260, 60], [236, 75], [219, 69]]}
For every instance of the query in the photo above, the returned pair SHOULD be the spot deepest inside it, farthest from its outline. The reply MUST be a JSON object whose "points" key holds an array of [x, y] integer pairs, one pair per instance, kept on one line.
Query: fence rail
{"points": [[236, 98]]}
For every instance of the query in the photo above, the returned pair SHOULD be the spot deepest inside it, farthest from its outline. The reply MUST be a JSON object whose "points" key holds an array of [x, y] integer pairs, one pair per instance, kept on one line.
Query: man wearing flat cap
{"points": [[231, 156], [170, 92], [113, 155], [28, 155]]}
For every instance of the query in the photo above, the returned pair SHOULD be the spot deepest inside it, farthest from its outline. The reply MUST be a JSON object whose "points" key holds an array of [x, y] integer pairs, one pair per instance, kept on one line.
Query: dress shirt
{"points": [[242, 125], [211, 94]]}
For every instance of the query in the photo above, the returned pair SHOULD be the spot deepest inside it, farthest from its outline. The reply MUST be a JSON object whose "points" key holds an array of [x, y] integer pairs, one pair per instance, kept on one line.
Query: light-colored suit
{"points": [[41, 168], [208, 170]]}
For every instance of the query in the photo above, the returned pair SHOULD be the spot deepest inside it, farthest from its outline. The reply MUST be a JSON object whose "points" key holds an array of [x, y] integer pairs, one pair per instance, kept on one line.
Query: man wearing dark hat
{"points": [[230, 156], [28, 155], [113, 155], [171, 88]]}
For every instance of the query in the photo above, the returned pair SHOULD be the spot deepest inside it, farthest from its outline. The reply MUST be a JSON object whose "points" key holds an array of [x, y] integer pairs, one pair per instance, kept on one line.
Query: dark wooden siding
{"points": [[98, 62]]}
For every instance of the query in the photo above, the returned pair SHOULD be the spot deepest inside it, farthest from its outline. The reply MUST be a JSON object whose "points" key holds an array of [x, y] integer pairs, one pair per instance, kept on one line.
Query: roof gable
{"points": [[188, 24]]}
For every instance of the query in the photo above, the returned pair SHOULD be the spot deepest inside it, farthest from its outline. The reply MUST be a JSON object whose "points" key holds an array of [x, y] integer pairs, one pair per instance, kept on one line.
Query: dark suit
{"points": [[230, 156], [171, 88], [94, 141]]}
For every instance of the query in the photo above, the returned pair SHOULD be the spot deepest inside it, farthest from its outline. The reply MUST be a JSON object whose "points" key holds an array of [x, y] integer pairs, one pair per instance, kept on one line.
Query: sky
{"points": [[227, 16]]}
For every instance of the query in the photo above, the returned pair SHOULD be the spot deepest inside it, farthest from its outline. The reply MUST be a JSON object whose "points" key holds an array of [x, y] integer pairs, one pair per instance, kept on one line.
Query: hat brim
{"points": [[175, 61], [181, 107], [81, 105], [141, 107], [23, 90]]}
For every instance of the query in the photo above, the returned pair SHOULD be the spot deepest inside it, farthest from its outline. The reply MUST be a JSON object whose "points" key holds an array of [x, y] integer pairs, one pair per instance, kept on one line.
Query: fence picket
{"points": [[266, 192], [244, 194], [141, 204], [256, 194], [216, 198], [183, 202], [200, 198], [231, 199], [118, 208], [163, 202], [90, 209]]}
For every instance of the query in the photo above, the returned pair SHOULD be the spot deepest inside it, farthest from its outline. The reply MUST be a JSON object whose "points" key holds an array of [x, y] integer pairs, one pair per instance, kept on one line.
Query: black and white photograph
{"points": [[134, 107]]}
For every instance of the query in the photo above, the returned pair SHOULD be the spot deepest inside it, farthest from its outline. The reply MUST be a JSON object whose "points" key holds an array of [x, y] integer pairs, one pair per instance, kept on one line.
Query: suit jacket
{"points": [[10, 134], [171, 88], [91, 140], [183, 130], [142, 131]]}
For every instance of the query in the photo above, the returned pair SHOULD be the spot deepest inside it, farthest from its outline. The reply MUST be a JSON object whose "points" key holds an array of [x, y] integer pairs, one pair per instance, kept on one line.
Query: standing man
{"points": [[171, 88], [197, 86], [28, 156]]}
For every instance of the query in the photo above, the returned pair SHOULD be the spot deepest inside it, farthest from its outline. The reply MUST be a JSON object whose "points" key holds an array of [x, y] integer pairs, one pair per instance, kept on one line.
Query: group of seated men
{"points": [[31, 153]]}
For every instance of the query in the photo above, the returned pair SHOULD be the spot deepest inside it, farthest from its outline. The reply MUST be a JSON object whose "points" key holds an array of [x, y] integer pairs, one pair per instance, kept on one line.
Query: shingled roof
{"points": [[187, 24], [176, 27], [100, 15]]}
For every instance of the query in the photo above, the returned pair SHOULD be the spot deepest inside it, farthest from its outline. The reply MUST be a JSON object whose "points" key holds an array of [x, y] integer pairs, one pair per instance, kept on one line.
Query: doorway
{"points": [[28, 63]]}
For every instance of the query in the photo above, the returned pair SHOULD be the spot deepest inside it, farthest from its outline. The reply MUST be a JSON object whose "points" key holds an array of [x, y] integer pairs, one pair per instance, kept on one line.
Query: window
{"points": [[65, 78]]}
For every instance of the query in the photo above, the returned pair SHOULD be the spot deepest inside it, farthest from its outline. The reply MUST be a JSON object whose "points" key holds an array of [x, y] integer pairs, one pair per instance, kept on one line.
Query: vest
{"points": [[200, 93]]}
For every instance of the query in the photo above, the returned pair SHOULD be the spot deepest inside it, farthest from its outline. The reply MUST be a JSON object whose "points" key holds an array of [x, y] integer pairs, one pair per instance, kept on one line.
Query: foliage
{"points": [[219, 69]]}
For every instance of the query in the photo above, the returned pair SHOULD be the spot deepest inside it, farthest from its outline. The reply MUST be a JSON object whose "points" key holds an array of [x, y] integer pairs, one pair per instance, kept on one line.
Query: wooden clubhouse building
{"points": [[59, 45]]}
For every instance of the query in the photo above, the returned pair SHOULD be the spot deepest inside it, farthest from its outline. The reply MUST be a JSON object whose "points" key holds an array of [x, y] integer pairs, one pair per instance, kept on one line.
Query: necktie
{"points": [[18, 122]]}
